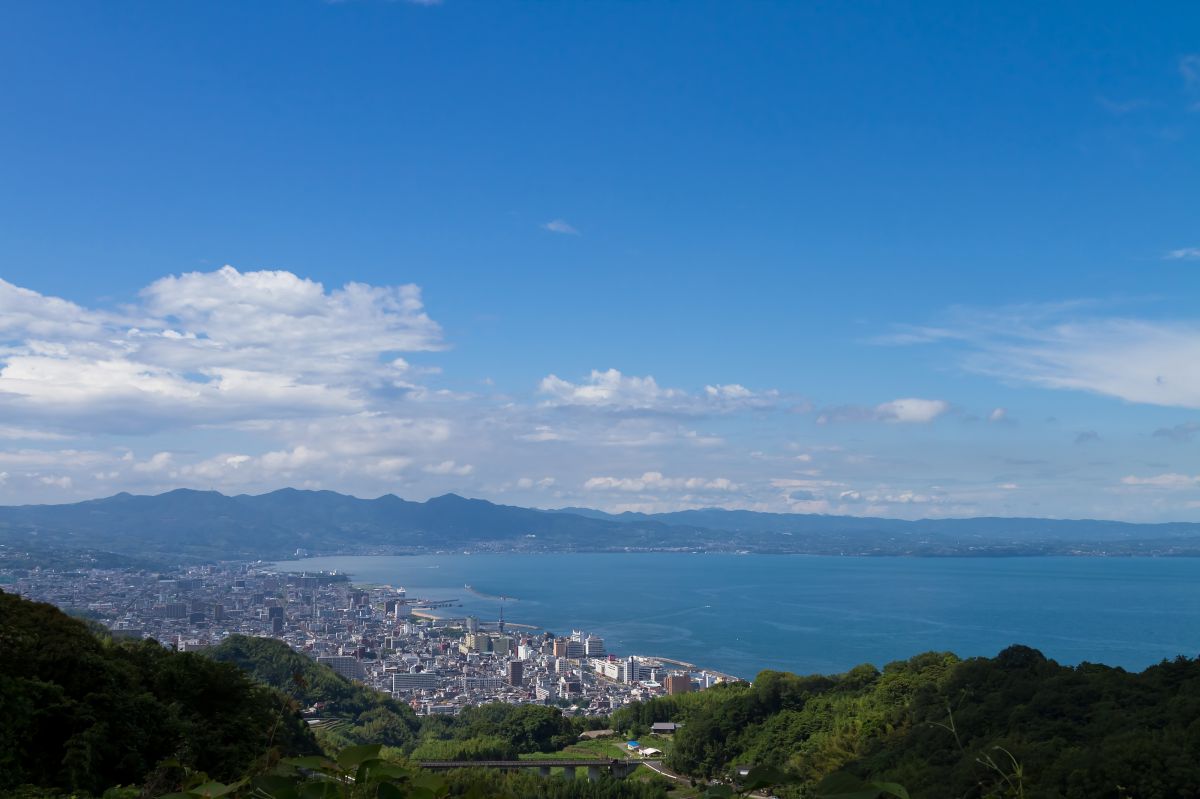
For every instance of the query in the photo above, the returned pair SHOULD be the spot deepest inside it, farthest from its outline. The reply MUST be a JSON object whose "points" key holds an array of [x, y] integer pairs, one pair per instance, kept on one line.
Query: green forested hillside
{"points": [[81, 713], [492, 731], [370, 717], [1014, 725]]}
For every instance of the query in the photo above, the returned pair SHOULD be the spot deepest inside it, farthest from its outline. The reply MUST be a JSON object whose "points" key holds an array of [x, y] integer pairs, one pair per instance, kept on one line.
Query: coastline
{"points": [[815, 615], [431, 615]]}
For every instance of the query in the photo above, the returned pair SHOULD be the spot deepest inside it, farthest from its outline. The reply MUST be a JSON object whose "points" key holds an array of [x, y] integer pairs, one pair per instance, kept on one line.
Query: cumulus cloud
{"points": [[213, 346], [160, 462], [912, 410], [610, 390], [247, 381], [907, 410]]}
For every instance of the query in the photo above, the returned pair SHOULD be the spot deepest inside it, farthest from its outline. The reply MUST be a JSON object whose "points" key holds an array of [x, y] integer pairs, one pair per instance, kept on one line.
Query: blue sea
{"points": [[740, 614]]}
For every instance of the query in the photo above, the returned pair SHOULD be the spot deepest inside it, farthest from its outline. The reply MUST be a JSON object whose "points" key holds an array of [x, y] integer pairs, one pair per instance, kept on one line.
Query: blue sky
{"points": [[909, 260]]}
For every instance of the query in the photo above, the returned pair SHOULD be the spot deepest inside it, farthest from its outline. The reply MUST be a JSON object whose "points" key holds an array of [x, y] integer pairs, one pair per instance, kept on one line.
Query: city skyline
{"points": [[917, 262]]}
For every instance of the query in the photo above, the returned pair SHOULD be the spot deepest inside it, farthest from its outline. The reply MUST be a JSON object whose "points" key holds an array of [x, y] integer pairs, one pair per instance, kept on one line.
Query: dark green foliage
{"points": [[1016, 724], [1089, 731], [374, 718], [81, 713], [357, 772], [525, 785], [482, 748], [361, 772], [525, 728]]}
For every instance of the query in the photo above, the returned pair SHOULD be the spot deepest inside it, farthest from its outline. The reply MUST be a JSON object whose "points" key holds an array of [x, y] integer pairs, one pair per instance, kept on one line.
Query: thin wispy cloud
{"points": [[1189, 68], [1170, 481], [1123, 107], [1183, 254], [1073, 346], [561, 226]]}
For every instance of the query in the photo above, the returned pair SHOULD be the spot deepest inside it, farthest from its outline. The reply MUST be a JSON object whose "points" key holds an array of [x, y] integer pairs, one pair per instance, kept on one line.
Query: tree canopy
{"points": [[82, 713]]}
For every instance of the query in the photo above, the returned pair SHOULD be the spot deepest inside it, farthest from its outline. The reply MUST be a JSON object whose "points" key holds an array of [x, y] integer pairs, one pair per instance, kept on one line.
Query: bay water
{"points": [[740, 614]]}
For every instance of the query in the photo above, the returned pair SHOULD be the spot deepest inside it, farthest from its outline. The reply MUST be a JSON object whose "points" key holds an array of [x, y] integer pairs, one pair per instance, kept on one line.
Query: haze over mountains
{"points": [[210, 525]]}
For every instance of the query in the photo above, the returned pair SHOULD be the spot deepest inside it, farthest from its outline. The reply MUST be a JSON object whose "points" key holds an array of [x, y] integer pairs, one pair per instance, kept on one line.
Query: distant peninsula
{"points": [[194, 525]]}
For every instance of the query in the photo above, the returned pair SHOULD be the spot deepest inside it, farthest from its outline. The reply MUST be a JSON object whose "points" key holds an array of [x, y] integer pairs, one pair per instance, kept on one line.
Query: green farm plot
{"points": [[604, 749], [601, 749]]}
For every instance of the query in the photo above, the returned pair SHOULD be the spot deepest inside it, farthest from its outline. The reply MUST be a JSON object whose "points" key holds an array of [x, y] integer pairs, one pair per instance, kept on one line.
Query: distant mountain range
{"points": [[208, 525]]}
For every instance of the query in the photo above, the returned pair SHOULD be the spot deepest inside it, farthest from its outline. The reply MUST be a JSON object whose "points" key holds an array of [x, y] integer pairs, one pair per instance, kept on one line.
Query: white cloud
{"points": [[611, 390], [911, 410], [1169, 480], [560, 226], [732, 391], [449, 467], [656, 481], [529, 482], [207, 347], [1068, 346], [906, 410], [998, 415], [543, 433], [1184, 254], [1147, 362], [10, 432], [160, 462], [269, 468], [360, 434]]}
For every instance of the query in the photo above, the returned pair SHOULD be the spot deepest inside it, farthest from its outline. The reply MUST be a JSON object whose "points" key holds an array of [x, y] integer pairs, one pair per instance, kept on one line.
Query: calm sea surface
{"points": [[741, 614]]}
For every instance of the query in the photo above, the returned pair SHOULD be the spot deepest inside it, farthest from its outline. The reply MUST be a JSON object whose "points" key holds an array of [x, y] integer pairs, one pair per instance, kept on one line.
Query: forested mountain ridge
{"points": [[1014, 725], [205, 525]]}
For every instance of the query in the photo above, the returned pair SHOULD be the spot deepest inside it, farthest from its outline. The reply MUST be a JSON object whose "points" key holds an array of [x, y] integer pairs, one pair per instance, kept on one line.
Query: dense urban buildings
{"points": [[378, 636]]}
